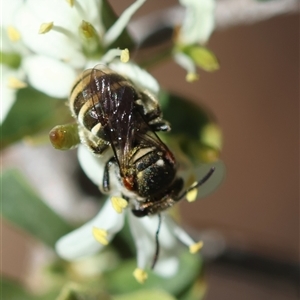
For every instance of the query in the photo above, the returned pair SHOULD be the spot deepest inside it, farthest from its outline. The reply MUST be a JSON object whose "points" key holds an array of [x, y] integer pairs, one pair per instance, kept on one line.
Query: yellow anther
{"points": [[125, 56], [45, 27], [196, 247], [13, 34], [191, 77], [140, 275], [71, 2], [118, 204], [100, 235], [87, 29], [15, 83], [191, 196]]}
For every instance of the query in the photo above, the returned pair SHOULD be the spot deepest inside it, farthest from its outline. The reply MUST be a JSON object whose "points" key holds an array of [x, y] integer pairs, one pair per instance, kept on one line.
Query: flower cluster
{"points": [[197, 26], [53, 41], [46, 44], [98, 232]]}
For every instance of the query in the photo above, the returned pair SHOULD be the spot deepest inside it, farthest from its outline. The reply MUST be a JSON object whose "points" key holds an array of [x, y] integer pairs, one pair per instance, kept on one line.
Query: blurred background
{"points": [[251, 223]]}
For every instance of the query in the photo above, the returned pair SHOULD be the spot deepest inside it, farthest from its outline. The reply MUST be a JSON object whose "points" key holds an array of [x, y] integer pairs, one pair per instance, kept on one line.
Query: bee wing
{"points": [[151, 139], [93, 81], [122, 124], [113, 105]]}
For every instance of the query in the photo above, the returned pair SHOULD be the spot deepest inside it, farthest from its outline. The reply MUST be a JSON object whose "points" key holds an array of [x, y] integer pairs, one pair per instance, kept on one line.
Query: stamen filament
{"points": [[80, 10], [111, 54], [46, 27]]}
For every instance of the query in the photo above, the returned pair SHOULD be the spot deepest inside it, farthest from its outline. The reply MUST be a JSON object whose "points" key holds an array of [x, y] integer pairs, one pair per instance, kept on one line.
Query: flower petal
{"points": [[144, 232], [113, 32], [144, 237], [138, 76], [8, 95], [167, 265], [199, 21], [110, 55], [9, 9], [81, 242], [63, 45], [49, 75], [93, 166], [179, 232]]}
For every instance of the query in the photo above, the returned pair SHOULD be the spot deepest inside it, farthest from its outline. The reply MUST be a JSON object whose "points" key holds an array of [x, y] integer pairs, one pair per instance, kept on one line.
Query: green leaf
{"points": [[121, 280], [32, 113], [74, 291], [197, 291], [24, 208], [203, 57], [185, 117], [13, 291], [146, 295], [194, 129], [109, 17], [196, 140]]}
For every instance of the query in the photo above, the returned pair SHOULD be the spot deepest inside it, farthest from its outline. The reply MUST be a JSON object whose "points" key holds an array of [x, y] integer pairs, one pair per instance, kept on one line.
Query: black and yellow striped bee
{"points": [[115, 115]]}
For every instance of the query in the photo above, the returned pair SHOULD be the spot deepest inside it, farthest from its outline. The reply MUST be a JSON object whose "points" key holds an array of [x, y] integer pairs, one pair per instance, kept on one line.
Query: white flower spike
{"points": [[97, 233], [198, 23], [91, 237], [11, 81], [113, 33], [52, 48], [196, 28]]}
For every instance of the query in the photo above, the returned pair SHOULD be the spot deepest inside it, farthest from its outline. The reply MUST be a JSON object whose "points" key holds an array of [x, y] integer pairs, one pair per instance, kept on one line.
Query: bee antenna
{"points": [[197, 184], [157, 242]]}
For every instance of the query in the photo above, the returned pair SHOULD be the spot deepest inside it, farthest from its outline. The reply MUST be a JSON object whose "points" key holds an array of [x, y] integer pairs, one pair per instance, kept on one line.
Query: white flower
{"points": [[12, 78], [98, 232], [140, 78], [11, 81], [51, 38], [196, 28], [198, 23]]}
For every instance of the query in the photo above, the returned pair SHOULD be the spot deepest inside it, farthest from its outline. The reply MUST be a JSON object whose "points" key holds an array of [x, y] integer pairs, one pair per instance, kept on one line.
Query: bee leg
{"points": [[105, 182], [152, 208], [159, 124], [96, 144], [149, 108]]}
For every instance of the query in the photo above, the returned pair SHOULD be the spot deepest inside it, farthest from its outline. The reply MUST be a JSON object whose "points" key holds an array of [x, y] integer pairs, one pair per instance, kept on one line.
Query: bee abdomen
{"points": [[88, 101]]}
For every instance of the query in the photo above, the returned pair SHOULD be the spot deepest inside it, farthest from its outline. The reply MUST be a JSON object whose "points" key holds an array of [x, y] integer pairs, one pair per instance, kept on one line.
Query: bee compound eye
{"points": [[140, 213]]}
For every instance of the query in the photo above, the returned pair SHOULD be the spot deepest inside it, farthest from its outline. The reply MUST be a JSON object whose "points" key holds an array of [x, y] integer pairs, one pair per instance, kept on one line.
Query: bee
{"points": [[113, 114]]}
